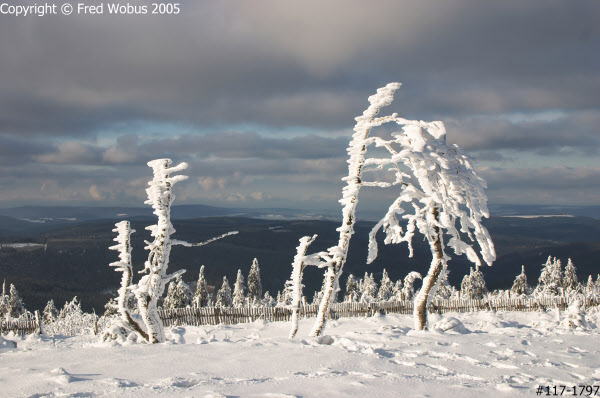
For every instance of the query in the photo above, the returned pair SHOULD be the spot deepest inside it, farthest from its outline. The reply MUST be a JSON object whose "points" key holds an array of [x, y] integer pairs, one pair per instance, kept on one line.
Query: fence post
{"points": [[38, 319]]}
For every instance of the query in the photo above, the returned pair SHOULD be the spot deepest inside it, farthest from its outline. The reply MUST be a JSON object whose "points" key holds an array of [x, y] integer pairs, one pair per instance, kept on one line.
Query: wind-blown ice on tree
{"points": [[152, 285], [442, 188], [334, 259]]}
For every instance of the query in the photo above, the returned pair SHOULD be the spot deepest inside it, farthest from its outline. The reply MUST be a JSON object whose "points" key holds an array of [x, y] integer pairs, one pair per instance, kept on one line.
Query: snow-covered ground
{"points": [[499, 354]]}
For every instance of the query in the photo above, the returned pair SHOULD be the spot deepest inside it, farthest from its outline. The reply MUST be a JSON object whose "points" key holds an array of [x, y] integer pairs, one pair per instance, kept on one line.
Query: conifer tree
{"points": [[15, 303], [50, 312], [473, 285], [268, 300], [224, 297], [369, 289], [385, 289], [520, 286], [179, 294], [444, 291], [201, 295], [550, 281], [352, 290], [254, 284], [397, 291], [239, 297], [570, 282], [4, 302]]}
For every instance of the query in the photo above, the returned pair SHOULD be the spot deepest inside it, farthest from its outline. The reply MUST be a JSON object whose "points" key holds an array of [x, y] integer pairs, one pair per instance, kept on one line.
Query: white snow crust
{"points": [[481, 354]]}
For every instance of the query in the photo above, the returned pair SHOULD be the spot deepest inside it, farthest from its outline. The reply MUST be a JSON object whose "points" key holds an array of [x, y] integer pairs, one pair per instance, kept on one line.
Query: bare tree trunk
{"points": [[435, 269]]}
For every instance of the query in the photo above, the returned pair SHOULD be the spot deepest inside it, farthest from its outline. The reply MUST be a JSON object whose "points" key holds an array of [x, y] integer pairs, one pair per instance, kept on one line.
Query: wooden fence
{"points": [[229, 316]]}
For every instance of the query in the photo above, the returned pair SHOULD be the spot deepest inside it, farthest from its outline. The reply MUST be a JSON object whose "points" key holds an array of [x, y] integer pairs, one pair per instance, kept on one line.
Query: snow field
{"points": [[465, 355]]}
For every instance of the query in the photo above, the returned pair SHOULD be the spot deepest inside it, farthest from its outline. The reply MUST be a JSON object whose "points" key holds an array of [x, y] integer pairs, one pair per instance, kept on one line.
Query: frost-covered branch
{"points": [[187, 244]]}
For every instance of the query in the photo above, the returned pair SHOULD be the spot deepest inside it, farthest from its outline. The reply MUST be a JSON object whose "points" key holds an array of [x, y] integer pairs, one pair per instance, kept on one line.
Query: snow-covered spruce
{"points": [[179, 295], [255, 293], [201, 295], [224, 297], [352, 290], [473, 285], [440, 185], [385, 288], [550, 281], [239, 296], [368, 289], [520, 286]]}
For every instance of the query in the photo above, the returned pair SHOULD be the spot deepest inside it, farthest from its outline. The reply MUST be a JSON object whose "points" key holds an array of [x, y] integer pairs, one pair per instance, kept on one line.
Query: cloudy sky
{"points": [[260, 97]]}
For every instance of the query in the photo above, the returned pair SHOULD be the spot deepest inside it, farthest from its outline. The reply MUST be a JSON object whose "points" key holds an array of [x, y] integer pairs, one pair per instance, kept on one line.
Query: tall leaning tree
{"points": [[334, 259], [441, 197]]}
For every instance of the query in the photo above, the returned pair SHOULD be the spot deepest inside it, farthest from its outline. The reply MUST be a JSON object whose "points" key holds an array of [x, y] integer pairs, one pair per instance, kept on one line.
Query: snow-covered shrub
{"points": [[450, 325], [50, 313], [71, 321], [574, 317]]}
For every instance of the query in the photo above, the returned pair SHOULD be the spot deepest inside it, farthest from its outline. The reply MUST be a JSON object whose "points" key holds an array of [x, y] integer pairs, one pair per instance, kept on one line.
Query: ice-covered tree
{"points": [[352, 291], [239, 297], [397, 291], [151, 286], [408, 290], [201, 294], [368, 289], [50, 313], [179, 294], [441, 188], [224, 297], [15, 303], [550, 281], [334, 258], [4, 302], [254, 285], [444, 291], [520, 286], [473, 285], [268, 300], [570, 282], [386, 287], [574, 317]]}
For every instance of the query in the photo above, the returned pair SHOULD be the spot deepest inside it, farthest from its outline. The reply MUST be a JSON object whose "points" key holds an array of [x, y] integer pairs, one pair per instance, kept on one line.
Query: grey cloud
{"points": [[263, 62]]}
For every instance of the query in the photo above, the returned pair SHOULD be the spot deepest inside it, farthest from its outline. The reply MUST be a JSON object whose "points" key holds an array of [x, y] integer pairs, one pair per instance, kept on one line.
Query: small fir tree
{"points": [[268, 300], [386, 288], [444, 291], [50, 313], [352, 290], [369, 289], [254, 284], [520, 286], [473, 285], [179, 294], [4, 302], [550, 281], [397, 291], [15, 303], [239, 297], [224, 297], [201, 295], [570, 282]]}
